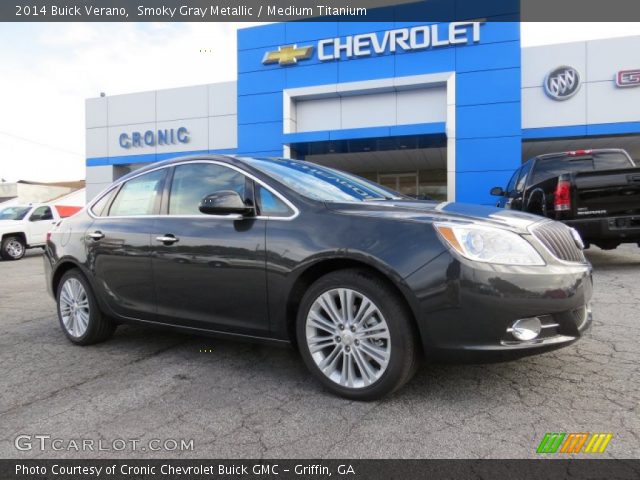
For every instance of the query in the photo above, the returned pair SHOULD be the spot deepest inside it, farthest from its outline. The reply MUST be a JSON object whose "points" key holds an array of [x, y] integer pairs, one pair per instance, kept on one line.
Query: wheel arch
{"points": [[21, 235], [320, 268], [68, 263], [535, 195], [62, 268]]}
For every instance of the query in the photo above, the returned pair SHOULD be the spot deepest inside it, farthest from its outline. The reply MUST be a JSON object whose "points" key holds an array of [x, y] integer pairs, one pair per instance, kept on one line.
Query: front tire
{"points": [[13, 248], [355, 335], [80, 318]]}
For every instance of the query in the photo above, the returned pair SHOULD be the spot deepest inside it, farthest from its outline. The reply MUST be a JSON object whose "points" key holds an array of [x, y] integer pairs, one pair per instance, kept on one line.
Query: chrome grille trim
{"points": [[557, 239]]}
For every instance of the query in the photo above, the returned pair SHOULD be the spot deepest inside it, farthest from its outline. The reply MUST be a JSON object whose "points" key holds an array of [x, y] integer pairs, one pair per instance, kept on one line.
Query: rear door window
{"points": [[138, 196]]}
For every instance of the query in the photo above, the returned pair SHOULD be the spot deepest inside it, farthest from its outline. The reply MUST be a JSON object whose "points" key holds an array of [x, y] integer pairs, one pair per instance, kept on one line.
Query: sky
{"points": [[48, 70]]}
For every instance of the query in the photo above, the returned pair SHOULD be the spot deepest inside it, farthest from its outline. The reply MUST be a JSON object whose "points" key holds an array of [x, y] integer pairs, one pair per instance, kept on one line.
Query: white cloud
{"points": [[47, 71]]}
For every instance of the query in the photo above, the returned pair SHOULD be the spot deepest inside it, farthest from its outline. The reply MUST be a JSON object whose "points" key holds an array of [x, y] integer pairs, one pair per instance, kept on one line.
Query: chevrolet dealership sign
{"points": [[390, 41]]}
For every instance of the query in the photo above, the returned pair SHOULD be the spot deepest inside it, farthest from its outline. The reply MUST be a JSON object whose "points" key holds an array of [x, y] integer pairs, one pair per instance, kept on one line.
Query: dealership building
{"points": [[445, 110]]}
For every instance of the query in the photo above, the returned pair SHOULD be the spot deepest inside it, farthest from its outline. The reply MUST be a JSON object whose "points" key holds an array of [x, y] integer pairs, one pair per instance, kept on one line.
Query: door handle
{"points": [[167, 239], [97, 235]]}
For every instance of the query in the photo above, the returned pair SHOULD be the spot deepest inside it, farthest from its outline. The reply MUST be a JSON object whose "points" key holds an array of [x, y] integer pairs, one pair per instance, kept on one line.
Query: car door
{"points": [[209, 270], [119, 246], [40, 222]]}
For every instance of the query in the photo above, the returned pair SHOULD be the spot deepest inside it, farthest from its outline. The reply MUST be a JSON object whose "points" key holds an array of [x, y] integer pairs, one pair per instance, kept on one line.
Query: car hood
{"points": [[429, 212]]}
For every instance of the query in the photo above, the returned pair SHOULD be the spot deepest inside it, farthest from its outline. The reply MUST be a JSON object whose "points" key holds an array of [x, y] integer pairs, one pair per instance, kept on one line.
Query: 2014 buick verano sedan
{"points": [[362, 280]]}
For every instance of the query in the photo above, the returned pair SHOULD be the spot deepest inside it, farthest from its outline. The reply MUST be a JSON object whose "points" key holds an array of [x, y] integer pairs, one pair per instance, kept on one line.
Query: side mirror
{"points": [[497, 192], [35, 218], [224, 202]]}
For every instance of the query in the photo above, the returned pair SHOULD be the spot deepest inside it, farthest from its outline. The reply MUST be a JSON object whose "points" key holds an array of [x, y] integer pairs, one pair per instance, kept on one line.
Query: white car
{"points": [[25, 226]]}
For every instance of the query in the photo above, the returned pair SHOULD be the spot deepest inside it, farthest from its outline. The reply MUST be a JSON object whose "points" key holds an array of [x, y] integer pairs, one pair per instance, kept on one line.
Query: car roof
{"points": [[230, 159], [591, 151]]}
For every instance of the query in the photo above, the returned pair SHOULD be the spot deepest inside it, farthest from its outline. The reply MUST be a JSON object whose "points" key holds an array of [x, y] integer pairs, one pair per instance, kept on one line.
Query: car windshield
{"points": [[14, 213], [322, 183]]}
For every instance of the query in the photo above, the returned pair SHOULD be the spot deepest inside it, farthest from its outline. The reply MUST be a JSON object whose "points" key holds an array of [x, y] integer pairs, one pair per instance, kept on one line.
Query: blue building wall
{"points": [[488, 83]]}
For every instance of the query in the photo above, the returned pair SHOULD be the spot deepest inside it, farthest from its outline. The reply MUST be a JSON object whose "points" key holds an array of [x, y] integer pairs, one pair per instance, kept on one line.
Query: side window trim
{"points": [[114, 195], [250, 192], [161, 198], [160, 192], [166, 191], [111, 195]]}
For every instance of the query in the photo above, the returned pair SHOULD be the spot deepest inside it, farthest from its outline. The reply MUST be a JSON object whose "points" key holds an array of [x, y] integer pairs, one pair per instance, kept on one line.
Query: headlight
{"points": [[490, 245]]}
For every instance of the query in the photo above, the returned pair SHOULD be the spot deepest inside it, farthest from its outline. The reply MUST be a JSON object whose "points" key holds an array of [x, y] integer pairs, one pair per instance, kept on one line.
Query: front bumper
{"points": [[466, 313]]}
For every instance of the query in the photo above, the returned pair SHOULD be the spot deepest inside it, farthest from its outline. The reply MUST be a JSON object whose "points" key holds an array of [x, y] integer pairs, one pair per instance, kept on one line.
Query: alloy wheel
{"points": [[14, 248], [74, 307], [348, 338]]}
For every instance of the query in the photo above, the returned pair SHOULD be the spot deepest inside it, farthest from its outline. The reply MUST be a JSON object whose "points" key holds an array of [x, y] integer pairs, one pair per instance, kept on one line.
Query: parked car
{"points": [[23, 227], [597, 192], [362, 280]]}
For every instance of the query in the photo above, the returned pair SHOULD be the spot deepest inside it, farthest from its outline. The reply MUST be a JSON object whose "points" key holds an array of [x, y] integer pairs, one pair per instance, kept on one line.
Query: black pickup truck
{"points": [[597, 192]]}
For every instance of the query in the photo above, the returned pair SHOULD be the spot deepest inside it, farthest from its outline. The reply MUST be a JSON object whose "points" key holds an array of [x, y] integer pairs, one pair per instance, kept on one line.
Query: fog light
{"points": [[526, 328]]}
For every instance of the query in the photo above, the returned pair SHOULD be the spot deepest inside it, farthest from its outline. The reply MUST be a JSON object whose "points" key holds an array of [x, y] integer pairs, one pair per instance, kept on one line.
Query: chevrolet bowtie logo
{"points": [[287, 55]]}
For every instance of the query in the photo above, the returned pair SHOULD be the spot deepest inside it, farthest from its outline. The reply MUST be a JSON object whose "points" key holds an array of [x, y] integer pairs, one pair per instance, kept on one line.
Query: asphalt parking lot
{"points": [[239, 400]]}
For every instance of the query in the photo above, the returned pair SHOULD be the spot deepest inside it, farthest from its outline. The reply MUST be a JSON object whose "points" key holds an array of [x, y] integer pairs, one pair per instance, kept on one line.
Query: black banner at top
{"points": [[316, 10]]}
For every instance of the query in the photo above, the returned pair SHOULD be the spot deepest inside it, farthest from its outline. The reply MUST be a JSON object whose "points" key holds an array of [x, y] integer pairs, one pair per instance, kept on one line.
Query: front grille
{"points": [[557, 238]]}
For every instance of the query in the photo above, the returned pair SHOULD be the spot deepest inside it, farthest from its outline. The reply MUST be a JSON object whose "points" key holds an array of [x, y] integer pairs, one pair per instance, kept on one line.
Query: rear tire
{"points": [[80, 317], [13, 248], [365, 351]]}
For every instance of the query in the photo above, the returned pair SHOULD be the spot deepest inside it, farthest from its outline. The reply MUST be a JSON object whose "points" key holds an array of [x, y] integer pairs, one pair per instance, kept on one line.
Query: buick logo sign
{"points": [[562, 83]]}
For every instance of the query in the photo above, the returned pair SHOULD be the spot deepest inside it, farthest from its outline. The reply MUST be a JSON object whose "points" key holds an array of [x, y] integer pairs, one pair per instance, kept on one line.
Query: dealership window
{"points": [[138, 195], [194, 181]]}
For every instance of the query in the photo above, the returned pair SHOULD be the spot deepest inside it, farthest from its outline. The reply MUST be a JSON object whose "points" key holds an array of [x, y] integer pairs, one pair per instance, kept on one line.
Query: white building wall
{"points": [[403, 107], [598, 100], [209, 112]]}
